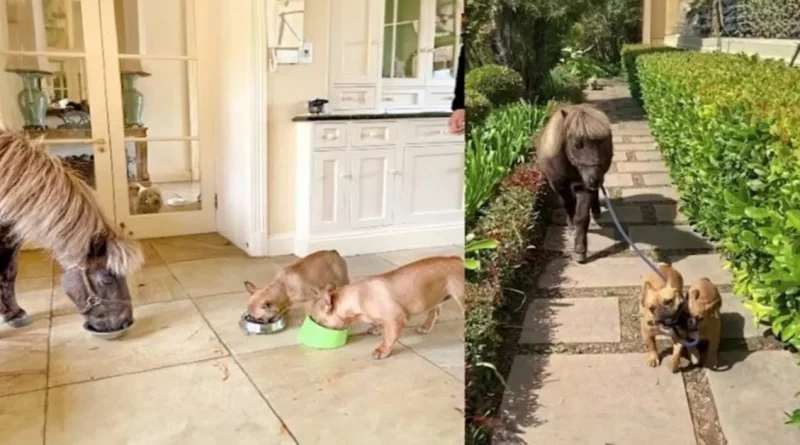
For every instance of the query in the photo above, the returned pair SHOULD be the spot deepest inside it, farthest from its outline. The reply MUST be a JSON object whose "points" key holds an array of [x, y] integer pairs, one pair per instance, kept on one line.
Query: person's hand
{"points": [[457, 121]]}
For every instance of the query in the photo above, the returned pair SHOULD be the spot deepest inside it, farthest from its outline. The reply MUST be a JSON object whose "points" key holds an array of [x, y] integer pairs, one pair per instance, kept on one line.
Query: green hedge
{"points": [[630, 53], [729, 128], [500, 84], [478, 107]]}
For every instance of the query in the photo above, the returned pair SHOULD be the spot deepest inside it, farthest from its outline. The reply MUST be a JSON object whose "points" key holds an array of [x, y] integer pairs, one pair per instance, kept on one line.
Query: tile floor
{"points": [[186, 373]]}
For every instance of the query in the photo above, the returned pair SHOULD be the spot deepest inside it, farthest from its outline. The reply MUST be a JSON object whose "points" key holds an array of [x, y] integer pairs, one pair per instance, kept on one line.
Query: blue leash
{"points": [[641, 255]]}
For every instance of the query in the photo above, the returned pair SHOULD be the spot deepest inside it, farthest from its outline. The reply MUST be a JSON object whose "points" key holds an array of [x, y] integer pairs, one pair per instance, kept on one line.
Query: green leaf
{"points": [[756, 213], [475, 246], [794, 418], [793, 219], [472, 264]]}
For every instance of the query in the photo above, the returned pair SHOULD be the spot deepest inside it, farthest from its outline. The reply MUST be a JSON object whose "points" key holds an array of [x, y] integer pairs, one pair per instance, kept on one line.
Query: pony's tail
{"points": [[124, 256], [552, 137]]}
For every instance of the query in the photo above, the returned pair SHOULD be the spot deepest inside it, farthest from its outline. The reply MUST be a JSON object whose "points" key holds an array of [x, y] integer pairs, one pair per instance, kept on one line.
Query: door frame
{"points": [[200, 114]]}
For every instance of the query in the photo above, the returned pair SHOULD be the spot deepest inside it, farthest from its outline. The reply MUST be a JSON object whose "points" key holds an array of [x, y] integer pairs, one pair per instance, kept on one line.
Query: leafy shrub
{"points": [[500, 84], [562, 85], [511, 218], [478, 107], [494, 148], [729, 127], [629, 55]]}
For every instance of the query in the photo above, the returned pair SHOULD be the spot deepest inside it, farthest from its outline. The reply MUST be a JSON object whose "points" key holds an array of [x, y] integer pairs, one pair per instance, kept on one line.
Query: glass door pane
{"points": [[51, 84], [442, 66], [161, 165], [401, 39]]}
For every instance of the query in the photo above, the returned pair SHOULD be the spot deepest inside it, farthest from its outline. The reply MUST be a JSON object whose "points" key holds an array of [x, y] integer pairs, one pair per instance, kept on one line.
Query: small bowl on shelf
{"points": [[316, 336], [255, 326]]}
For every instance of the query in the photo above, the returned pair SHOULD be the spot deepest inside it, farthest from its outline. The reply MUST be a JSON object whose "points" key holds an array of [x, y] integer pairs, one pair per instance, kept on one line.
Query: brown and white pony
{"points": [[575, 153], [42, 201]]}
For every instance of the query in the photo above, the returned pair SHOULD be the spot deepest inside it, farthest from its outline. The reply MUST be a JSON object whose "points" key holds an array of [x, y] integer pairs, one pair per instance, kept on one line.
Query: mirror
{"points": [[289, 23]]}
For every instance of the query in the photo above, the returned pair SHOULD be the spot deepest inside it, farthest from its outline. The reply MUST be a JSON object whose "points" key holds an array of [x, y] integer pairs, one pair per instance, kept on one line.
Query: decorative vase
{"points": [[132, 101], [32, 101]]}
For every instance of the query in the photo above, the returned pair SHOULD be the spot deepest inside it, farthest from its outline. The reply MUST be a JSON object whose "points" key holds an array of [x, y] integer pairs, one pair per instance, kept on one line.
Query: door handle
{"points": [[100, 144]]}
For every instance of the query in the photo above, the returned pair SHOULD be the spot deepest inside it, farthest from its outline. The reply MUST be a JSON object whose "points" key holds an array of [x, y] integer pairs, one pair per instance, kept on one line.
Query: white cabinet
{"points": [[393, 54], [329, 181], [433, 184], [367, 186], [371, 188]]}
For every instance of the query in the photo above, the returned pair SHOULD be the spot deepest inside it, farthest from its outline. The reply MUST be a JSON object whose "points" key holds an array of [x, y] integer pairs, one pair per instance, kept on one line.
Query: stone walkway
{"points": [[580, 375]]}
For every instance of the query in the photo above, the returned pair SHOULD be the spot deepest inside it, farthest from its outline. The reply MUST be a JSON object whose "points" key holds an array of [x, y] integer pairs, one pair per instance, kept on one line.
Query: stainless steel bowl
{"points": [[253, 327], [113, 335]]}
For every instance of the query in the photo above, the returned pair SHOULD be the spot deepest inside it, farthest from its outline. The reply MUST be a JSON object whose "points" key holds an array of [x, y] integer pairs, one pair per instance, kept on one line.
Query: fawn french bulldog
{"points": [[388, 300], [297, 283]]}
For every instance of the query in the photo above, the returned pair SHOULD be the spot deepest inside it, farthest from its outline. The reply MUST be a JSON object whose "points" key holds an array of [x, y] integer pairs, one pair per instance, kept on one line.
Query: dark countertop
{"points": [[371, 116]]}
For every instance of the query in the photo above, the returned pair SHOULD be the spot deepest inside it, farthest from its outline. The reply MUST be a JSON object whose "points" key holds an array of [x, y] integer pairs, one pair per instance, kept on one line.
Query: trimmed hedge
{"points": [[729, 128], [478, 107], [500, 84], [630, 53]]}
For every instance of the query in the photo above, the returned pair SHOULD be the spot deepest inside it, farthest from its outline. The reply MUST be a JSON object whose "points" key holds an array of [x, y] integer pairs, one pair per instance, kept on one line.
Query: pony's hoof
{"points": [[596, 216], [19, 321], [580, 258]]}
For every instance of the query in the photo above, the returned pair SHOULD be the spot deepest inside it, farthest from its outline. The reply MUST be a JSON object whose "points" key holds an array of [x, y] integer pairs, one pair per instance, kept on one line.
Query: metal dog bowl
{"points": [[253, 326], [113, 335]]}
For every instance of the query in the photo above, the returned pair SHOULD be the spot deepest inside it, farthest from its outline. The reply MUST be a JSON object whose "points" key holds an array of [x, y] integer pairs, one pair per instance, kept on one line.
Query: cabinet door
{"points": [[442, 41], [433, 184], [355, 34], [329, 183], [403, 36], [372, 187]]}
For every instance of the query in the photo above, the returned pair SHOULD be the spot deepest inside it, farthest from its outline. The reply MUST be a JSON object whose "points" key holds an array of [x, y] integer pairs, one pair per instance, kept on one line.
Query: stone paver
{"points": [[708, 265], [607, 272], [752, 396], [595, 399], [618, 180], [737, 321], [641, 167], [649, 194], [648, 155], [667, 238], [669, 213], [656, 179], [625, 213], [572, 320], [634, 146], [559, 238]]}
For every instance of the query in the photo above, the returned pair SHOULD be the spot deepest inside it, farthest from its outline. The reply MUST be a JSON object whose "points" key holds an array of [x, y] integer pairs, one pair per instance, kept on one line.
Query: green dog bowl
{"points": [[317, 336]]}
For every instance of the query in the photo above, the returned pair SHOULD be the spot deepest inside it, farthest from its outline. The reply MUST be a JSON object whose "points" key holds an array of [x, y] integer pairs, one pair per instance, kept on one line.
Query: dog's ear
{"points": [[251, 288], [563, 113], [694, 294], [327, 298], [646, 287]]}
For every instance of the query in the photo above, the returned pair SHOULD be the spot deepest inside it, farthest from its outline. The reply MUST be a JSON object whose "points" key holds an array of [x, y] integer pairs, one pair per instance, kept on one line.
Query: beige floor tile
{"points": [[217, 276], [444, 347], [347, 395], [164, 334], [223, 312], [365, 265], [148, 285], [206, 403], [23, 358], [195, 247], [34, 295], [35, 264], [402, 257], [22, 418]]}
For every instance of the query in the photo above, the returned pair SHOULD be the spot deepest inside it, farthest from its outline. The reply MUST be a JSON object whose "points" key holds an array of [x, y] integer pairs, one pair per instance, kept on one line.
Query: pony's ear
{"points": [[98, 247]]}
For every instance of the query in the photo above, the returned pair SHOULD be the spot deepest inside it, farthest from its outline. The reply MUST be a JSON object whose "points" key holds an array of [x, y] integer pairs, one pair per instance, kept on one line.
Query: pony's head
{"points": [[99, 287], [588, 143]]}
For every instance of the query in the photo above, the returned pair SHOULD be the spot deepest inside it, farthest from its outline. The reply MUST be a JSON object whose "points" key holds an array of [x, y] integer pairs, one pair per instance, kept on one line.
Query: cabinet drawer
{"points": [[373, 134], [402, 99], [440, 99], [353, 98], [330, 135], [432, 130]]}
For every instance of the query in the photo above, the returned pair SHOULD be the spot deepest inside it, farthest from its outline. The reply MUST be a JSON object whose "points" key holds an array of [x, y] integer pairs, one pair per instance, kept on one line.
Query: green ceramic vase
{"points": [[132, 101], [32, 101]]}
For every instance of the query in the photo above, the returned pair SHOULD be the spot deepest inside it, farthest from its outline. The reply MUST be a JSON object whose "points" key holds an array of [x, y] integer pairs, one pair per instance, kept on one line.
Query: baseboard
{"points": [[280, 244], [377, 241]]}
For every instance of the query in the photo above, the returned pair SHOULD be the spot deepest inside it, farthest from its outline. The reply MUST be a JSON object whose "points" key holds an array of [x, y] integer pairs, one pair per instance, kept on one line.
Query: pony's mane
{"points": [[43, 201], [572, 121]]}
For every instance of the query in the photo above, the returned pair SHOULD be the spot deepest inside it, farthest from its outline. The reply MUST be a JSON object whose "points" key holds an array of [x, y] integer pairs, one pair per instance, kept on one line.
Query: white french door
{"points": [[138, 66]]}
